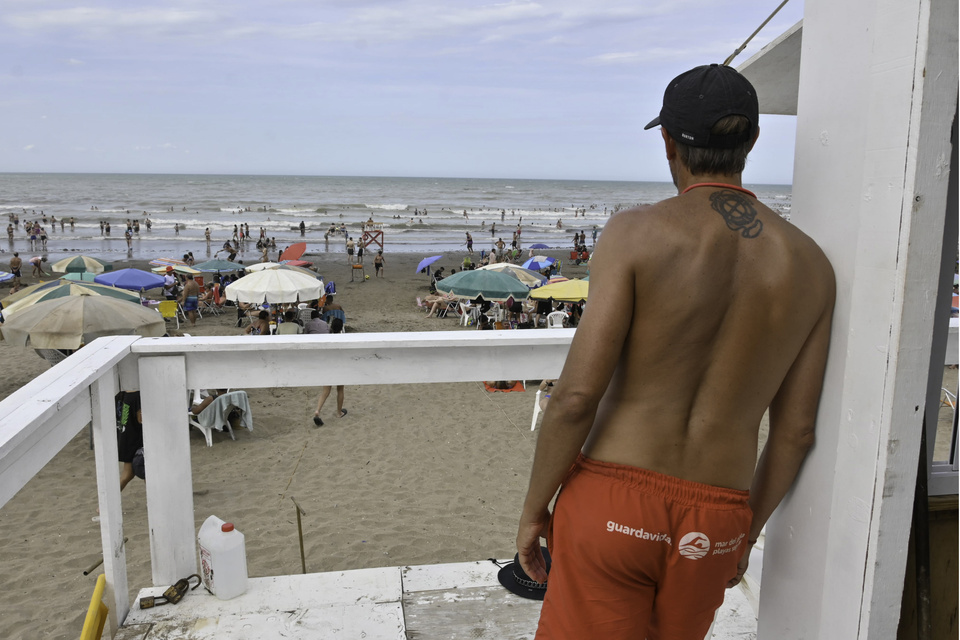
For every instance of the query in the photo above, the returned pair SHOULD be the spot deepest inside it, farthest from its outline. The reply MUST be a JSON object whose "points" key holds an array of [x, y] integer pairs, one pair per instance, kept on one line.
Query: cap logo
{"points": [[687, 136]]}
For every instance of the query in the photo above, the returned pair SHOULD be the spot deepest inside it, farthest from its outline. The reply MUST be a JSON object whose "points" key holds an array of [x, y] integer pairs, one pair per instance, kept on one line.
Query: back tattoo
{"points": [[737, 212]]}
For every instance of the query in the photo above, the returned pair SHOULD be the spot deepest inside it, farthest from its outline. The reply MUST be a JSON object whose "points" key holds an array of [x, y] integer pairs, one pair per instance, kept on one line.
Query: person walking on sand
{"points": [[661, 438], [378, 263], [469, 243], [336, 326]]}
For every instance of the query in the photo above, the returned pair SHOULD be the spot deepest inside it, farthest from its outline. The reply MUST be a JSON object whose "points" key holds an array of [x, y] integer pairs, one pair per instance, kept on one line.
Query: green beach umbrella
{"points": [[489, 285], [82, 276], [218, 265], [63, 289], [78, 264]]}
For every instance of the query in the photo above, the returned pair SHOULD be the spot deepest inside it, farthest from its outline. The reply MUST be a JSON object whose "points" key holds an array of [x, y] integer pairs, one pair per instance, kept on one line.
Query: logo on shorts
{"points": [[694, 545]]}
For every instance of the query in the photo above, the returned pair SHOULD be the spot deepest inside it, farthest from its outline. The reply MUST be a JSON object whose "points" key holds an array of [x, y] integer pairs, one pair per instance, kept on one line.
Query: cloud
{"points": [[29, 147], [98, 21], [74, 61]]}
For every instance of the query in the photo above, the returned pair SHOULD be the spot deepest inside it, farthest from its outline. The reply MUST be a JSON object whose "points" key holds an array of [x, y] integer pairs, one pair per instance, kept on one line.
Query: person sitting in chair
{"points": [[290, 326]]}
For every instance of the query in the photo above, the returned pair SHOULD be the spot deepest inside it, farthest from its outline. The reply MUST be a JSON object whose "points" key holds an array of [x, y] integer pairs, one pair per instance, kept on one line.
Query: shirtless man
{"points": [[190, 299], [15, 264], [37, 263], [705, 310]]}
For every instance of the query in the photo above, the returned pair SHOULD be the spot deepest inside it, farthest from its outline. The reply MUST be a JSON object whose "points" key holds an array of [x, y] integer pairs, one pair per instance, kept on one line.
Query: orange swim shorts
{"points": [[638, 554]]}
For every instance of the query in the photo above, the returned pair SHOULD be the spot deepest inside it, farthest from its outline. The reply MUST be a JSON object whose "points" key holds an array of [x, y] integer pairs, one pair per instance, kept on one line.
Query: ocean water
{"points": [[419, 215]]}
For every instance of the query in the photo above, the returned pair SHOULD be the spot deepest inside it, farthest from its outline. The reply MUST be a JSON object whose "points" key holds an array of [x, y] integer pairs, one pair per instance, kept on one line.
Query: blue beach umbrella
{"points": [[536, 263], [426, 262], [132, 279], [539, 245]]}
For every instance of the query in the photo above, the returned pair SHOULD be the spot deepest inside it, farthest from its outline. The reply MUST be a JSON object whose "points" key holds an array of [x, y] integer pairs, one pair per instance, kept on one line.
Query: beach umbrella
{"points": [[539, 245], [64, 288], [167, 262], [25, 291], [5, 276], [274, 286], [296, 263], [260, 266], [567, 291], [78, 264], [536, 263], [489, 285], [67, 323], [294, 251], [218, 265], [133, 279], [7, 302], [178, 268], [303, 270], [426, 262], [531, 279], [83, 276], [555, 279]]}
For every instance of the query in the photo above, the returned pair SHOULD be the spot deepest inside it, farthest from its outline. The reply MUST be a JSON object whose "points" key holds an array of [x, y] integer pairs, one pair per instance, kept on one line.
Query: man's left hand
{"points": [[528, 544]]}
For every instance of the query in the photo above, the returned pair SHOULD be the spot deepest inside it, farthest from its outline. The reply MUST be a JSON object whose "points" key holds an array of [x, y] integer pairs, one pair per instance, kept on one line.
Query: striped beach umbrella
{"points": [[62, 289], [79, 264]]}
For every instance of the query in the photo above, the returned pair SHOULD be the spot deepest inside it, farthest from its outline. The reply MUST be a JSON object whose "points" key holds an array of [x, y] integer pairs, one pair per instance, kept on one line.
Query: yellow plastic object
{"points": [[96, 612]]}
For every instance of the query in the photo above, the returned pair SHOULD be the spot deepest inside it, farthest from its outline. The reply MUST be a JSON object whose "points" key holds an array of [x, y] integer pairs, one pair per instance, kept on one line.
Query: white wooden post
{"points": [[166, 448], [103, 411], [878, 83]]}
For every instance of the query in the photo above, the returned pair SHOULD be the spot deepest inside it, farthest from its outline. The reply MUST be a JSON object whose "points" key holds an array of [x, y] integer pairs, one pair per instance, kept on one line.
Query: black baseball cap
{"points": [[695, 100]]}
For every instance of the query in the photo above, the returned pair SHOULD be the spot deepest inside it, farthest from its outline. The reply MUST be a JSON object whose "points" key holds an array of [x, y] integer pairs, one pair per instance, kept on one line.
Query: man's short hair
{"points": [[314, 314], [700, 160], [712, 113]]}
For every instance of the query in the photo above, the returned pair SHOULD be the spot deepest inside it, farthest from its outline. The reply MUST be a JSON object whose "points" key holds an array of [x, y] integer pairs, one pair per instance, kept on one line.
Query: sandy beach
{"points": [[411, 475]]}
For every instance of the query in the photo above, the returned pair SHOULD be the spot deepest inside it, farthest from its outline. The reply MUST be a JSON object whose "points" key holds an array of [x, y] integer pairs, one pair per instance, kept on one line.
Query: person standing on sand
{"points": [[656, 450], [336, 326], [469, 243], [378, 263], [190, 299], [350, 246], [15, 264], [129, 433]]}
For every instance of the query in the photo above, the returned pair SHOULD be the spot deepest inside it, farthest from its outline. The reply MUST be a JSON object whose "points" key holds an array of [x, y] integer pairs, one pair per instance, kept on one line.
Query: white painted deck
{"points": [[450, 601]]}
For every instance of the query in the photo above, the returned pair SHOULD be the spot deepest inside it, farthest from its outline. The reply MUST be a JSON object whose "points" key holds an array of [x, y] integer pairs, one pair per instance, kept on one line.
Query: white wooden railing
{"points": [[40, 418]]}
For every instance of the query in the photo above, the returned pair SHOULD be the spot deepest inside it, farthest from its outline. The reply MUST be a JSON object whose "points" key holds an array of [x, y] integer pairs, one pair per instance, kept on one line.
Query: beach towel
{"points": [[517, 386], [215, 416]]}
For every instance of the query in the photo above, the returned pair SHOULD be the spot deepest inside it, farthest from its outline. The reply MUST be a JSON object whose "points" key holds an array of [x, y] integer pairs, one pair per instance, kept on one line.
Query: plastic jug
{"points": [[223, 558]]}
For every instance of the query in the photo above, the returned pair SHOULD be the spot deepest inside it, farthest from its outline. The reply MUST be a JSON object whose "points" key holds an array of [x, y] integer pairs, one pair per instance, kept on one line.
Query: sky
{"points": [[441, 88]]}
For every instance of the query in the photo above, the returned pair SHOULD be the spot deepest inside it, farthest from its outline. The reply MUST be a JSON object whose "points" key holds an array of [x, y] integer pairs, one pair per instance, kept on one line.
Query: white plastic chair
{"points": [[555, 319], [208, 430], [468, 314]]}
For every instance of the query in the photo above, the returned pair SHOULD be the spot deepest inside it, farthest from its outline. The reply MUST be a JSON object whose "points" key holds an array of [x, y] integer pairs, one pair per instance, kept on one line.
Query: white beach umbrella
{"points": [[260, 266], [274, 286]]}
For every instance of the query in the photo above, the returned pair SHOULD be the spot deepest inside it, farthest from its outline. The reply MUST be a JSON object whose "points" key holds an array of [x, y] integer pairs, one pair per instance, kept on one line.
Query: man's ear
{"points": [[669, 144], [755, 136]]}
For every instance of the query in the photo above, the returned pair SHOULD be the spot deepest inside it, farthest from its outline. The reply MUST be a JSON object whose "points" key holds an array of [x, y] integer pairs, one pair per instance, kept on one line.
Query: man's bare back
{"points": [[720, 312], [705, 310]]}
